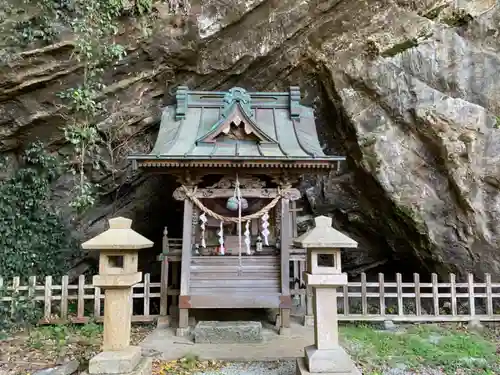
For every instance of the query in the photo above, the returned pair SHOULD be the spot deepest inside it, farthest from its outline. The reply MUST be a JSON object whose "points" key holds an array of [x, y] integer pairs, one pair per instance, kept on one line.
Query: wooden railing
{"points": [[362, 300]]}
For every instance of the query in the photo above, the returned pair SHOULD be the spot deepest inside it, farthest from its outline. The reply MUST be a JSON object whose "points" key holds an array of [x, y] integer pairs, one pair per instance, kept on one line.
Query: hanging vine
{"points": [[95, 28]]}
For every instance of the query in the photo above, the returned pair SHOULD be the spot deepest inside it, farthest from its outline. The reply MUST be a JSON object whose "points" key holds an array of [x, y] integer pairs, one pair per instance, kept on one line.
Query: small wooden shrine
{"points": [[237, 156]]}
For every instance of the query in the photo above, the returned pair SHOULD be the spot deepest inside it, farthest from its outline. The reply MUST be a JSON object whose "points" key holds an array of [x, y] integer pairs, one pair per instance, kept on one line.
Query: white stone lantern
{"points": [[324, 275], [118, 260]]}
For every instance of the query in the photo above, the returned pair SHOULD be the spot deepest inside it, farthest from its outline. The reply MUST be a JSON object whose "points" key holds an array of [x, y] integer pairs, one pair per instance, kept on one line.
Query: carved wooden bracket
{"points": [[179, 194], [245, 182], [291, 194]]}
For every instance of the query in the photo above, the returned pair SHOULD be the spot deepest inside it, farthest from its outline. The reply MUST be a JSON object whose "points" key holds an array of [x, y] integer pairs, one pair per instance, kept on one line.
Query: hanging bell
{"points": [[244, 204], [232, 204]]}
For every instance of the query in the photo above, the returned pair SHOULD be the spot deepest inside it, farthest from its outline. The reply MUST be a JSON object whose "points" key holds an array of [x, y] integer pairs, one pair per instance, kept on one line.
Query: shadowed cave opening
{"points": [[160, 210]]}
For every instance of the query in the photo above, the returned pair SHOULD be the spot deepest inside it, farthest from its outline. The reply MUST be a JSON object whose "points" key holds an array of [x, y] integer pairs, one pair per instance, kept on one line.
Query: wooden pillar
{"points": [[286, 240], [187, 229], [164, 275], [174, 306]]}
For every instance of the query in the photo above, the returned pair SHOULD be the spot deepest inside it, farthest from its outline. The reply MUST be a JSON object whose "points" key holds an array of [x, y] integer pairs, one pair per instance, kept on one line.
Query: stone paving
{"points": [[167, 346]]}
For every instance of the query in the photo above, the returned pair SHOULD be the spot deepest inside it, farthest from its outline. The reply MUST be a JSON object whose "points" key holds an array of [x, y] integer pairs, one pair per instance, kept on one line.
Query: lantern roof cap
{"points": [[119, 236], [323, 235]]}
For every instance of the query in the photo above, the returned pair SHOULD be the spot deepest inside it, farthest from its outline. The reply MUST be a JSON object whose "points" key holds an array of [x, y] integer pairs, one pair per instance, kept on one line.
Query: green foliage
{"points": [[458, 18], [143, 6], [400, 47], [95, 26], [17, 313], [447, 348], [57, 339], [434, 13], [33, 238]]}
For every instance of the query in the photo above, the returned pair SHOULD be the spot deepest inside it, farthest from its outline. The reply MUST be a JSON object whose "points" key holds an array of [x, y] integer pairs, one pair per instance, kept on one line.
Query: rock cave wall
{"points": [[403, 88]]}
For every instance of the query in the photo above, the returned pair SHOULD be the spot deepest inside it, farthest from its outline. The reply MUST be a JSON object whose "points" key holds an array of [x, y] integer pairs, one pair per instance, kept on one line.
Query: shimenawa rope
{"points": [[237, 220], [191, 195]]}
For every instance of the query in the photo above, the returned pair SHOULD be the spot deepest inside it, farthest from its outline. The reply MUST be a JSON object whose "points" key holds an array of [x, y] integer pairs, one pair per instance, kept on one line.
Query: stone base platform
{"points": [[302, 370], [128, 361], [240, 332], [273, 347]]}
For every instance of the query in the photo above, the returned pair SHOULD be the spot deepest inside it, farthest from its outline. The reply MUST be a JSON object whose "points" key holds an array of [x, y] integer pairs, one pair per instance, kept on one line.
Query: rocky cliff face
{"points": [[406, 89]]}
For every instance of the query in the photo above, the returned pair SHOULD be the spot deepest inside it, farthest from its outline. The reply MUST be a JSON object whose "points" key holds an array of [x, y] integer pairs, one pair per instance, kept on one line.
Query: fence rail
{"points": [[358, 301]]}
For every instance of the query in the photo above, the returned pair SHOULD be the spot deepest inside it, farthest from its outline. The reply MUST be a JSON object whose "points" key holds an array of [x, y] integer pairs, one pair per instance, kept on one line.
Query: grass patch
{"points": [[458, 18], [400, 47], [434, 13], [422, 346]]}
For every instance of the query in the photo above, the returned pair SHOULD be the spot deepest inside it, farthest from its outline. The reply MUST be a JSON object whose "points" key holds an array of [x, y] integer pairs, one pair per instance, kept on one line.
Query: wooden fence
{"points": [[362, 300]]}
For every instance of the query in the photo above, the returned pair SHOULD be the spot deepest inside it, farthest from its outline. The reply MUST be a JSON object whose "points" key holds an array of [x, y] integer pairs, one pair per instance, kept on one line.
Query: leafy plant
{"points": [[33, 238], [16, 311], [143, 6], [95, 26]]}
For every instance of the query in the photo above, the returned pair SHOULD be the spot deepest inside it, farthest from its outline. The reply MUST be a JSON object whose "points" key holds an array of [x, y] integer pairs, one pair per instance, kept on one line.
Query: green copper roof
{"points": [[281, 128]]}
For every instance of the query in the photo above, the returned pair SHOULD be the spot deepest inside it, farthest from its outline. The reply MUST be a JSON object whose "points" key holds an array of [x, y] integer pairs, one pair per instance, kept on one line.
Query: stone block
{"points": [[212, 332], [144, 367], [116, 362], [163, 322], [301, 369], [335, 361]]}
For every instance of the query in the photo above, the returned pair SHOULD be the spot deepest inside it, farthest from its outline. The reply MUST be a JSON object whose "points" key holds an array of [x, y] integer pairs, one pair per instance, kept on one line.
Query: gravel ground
{"points": [[288, 368], [255, 368]]}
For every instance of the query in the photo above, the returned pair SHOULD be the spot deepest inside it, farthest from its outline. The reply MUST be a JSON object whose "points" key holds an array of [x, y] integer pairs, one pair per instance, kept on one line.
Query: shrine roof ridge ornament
{"points": [[221, 128], [190, 99]]}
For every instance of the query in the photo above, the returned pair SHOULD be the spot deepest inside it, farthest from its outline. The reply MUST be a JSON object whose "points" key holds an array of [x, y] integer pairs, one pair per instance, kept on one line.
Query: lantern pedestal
{"points": [[340, 358], [324, 276], [126, 361], [118, 260]]}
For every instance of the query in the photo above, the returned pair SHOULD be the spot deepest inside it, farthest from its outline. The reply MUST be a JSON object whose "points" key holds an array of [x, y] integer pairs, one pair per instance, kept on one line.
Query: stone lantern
{"points": [[118, 260], [324, 275]]}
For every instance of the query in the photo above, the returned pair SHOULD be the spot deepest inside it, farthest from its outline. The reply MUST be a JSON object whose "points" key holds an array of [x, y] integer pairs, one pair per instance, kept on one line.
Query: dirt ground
{"points": [[410, 349], [26, 351]]}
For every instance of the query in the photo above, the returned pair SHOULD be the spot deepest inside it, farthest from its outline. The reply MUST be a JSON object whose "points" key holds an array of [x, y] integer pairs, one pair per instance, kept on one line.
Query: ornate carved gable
{"points": [[229, 182], [236, 122]]}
